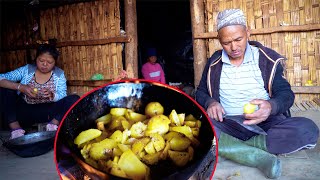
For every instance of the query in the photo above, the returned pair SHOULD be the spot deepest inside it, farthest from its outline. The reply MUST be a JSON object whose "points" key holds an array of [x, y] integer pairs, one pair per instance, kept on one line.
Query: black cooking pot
{"points": [[33, 144], [134, 94]]}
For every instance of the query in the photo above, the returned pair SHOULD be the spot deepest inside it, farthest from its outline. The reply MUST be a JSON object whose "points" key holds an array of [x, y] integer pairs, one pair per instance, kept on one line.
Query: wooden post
{"points": [[131, 50], [199, 46]]}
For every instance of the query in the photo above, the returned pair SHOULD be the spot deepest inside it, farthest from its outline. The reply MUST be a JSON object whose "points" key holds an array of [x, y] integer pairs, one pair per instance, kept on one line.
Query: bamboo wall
{"points": [[82, 22], [87, 36], [291, 27]]}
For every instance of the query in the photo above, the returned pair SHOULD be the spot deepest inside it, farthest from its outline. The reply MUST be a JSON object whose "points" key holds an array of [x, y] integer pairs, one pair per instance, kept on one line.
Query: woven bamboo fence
{"points": [[85, 22], [290, 27]]}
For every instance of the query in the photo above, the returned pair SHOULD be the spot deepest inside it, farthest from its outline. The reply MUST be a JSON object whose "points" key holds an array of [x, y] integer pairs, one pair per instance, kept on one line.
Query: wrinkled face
{"points": [[153, 59], [234, 40], [45, 62]]}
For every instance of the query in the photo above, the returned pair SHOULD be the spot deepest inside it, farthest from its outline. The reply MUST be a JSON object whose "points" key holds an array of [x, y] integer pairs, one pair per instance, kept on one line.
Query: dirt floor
{"points": [[297, 166], [302, 165]]}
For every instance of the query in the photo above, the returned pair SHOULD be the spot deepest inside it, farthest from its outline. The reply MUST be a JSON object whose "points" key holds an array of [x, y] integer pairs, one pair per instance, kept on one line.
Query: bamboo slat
{"points": [[88, 35], [291, 28]]}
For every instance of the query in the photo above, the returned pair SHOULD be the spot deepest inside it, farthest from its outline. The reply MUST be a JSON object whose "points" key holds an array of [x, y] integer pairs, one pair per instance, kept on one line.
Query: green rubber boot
{"points": [[237, 151], [258, 141]]}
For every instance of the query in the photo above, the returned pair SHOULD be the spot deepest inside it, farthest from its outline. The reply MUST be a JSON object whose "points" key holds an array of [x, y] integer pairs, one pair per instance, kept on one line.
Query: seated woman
{"points": [[41, 93]]}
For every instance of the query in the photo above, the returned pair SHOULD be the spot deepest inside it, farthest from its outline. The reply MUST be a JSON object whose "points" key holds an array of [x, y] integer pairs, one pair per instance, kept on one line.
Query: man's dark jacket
{"points": [[278, 88]]}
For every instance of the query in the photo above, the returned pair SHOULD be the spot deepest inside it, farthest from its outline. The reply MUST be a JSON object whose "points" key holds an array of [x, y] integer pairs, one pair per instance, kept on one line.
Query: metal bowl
{"points": [[31, 145], [134, 94]]}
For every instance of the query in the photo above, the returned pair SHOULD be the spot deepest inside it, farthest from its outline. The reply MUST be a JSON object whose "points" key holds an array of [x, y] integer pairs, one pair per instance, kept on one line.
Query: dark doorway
{"points": [[166, 26]]}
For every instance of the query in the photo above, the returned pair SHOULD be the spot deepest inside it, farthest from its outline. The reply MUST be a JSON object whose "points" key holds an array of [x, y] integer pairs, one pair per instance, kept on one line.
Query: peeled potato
{"points": [[158, 124], [86, 136], [117, 136], [102, 149], [132, 166], [172, 134], [118, 111], [149, 148], [158, 142], [174, 118], [138, 129], [153, 109], [105, 119], [190, 117], [179, 143], [133, 116], [151, 159], [179, 158]]}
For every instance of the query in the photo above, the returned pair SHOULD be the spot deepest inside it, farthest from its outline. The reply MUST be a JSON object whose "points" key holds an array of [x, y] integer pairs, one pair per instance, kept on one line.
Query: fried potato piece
{"points": [[151, 159], [118, 111], [179, 158], [153, 109], [158, 124], [138, 129], [132, 166], [86, 136], [174, 118], [179, 143], [102, 149], [134, 117]]}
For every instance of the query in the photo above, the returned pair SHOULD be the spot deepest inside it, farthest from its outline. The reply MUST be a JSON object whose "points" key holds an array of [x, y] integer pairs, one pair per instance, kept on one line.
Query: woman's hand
{"points": [[27, 90], [215, 111], [261, 114], [47, 94]]}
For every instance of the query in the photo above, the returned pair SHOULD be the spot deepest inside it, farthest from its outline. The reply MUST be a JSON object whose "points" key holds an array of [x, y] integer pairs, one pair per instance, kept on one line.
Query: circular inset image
{"points": [[107, 134]]}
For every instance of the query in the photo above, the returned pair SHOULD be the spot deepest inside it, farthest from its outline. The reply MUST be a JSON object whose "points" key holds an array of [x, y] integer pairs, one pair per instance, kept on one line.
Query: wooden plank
{"points": [[91, 83], [296, 28], [93, 42], [199, 45], [131, 50], [306, 89]]}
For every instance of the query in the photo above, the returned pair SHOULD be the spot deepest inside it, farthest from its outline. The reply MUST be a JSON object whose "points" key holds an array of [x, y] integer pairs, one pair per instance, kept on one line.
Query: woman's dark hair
{"points": [[48, 48]]}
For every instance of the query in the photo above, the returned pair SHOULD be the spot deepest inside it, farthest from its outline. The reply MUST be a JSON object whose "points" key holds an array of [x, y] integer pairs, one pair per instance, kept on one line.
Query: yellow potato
{"points": [[117, 136], [114, 169], [181, 118], [105, 119], [174, 118], [86, 136], [139, 145], [134, 117], [190, 117], [138, 129], [124, 147], [102, 149], [172, 134], [153, 109], [118, 111], [164, 153], [179, 143], [132, 166], [179, 158], [116, 122], [249, 108], [195, 132], [158, 142], [149, 148], [158, 124], [151, 159], [186, 130], [190, 123]]}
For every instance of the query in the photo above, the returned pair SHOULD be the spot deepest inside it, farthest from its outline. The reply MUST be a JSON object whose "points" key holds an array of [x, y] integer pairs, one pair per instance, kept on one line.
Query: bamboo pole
{"points": [[262, 31], [131, 50], [199, 46]]}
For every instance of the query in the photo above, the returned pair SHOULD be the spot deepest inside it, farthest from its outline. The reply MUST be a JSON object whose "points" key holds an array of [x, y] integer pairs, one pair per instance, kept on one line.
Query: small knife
{"points": [[240, 118]]}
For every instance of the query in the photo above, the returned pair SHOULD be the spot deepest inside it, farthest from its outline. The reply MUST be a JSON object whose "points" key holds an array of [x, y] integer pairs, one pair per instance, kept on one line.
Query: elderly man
{"points": [[246, 71]]}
